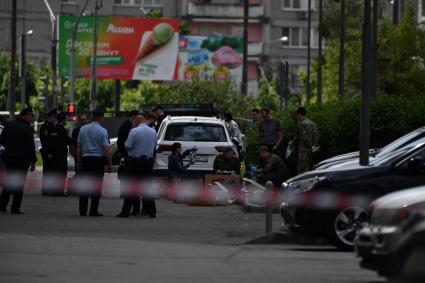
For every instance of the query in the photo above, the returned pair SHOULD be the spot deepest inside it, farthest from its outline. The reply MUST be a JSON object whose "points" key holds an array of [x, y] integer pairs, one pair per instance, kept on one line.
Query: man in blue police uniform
{"points": [[140, 144], [93, 151]]}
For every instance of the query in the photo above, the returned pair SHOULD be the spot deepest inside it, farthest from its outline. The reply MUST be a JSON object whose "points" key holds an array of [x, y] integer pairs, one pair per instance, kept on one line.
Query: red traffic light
{"points": [[71, 108]]}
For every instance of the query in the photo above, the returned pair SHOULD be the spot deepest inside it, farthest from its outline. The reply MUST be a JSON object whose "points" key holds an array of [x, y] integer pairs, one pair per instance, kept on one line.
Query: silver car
{"points": [[377, 242]]}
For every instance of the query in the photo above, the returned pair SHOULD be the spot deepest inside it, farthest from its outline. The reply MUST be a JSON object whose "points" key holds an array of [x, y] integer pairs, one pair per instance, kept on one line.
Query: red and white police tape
{"points": [[190, 191]]}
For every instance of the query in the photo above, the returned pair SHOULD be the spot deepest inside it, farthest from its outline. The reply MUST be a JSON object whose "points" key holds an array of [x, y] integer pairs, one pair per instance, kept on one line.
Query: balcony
{"points": [[221, 11]]}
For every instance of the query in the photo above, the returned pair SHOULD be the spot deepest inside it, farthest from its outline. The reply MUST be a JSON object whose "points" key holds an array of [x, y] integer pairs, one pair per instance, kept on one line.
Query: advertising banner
{"points": [[129, 48], [217, 57]]}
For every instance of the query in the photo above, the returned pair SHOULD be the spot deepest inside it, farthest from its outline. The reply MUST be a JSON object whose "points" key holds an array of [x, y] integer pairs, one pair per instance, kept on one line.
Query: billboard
{"points": [[214, 57], [129, 48]]}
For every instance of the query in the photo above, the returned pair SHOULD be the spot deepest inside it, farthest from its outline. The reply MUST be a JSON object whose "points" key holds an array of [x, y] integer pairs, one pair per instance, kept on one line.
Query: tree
{"points": [[402, 46]]}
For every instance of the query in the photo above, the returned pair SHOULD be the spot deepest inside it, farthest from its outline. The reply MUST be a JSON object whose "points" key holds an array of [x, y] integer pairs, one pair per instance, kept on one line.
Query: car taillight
{"points": [[163, 147], [220, 148]]}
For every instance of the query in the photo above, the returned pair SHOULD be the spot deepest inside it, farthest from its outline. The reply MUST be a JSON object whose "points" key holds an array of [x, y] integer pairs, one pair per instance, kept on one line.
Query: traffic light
{"points": [[71, 109]]}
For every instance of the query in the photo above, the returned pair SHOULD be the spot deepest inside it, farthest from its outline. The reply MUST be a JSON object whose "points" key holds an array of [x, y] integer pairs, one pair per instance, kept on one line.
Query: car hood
{"points": [[344, 170], [351, 156], [341, 157], [401, 199]]}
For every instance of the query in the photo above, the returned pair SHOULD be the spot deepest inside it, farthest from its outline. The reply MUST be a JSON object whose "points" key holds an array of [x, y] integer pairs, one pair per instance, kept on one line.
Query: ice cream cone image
{"points": [[159, 37]]}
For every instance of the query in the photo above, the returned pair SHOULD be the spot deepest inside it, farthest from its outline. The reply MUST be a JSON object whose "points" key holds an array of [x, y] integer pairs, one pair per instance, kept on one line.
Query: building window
{"points": [[300, 5], [152, 3], [128, 2], [298, 37]]}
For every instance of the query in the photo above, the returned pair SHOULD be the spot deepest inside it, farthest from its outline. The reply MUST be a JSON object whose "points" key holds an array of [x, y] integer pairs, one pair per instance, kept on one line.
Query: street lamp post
{"points": [[308, 51], [23, 69], [374, 54], [341, 77], [320, 63], [12, 81], [53, 54], [284, 73], [395, 11], [244, 85], [72, 63], [93, 61], [366, 85]]}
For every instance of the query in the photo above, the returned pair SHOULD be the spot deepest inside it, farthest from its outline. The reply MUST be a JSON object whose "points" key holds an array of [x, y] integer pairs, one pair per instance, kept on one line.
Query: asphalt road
{"points": [[50, 243]]}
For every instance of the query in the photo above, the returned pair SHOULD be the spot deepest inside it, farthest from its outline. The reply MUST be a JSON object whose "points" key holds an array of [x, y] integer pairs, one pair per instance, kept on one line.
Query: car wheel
{"points": [[343, 226]]}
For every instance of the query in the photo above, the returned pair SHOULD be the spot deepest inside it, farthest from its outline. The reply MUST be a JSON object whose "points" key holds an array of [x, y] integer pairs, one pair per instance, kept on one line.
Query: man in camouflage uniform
{"points": [[306, 137], [272, 168]]}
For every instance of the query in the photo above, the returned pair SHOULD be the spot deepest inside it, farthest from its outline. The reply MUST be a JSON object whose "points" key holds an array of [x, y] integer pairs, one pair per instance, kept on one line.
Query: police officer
{"points": [[18, 139], [123, 132], [82, 120], [93, 151], [131, 198], [306, 137], [60, 153], [141, 144], [47, 136]]}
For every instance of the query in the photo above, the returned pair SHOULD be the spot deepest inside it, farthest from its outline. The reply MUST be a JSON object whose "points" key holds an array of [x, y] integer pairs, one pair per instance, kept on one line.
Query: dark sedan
{"points": [[339, 222], [415, 136]]}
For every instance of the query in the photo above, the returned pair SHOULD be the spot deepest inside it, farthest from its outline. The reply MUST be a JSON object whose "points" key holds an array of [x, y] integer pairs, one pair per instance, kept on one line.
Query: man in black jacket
{"points": [[82, 120], [60, 154], [123, 132], [47, 136], [18, 139]]}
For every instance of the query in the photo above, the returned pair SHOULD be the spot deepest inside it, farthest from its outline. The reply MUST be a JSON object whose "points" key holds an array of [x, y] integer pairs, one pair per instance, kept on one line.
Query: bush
{"points": [[339, 121]]}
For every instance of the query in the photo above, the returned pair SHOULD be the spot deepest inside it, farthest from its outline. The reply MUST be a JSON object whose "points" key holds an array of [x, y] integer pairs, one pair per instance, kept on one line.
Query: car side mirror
{"points": [[417, 164]]}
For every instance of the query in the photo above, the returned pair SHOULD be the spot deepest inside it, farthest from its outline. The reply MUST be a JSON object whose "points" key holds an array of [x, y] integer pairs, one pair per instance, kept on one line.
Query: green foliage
{"points": [[251, 155], [338, 122], [401, 54], [220, 93]]}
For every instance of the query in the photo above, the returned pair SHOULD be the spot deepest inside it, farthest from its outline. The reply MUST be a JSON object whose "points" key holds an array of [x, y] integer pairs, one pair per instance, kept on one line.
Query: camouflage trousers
{"points": [[304, 160]]}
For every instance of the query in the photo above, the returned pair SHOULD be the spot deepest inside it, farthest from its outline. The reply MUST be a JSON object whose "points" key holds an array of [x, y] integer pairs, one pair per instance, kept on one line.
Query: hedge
{"points": [[338, 123]]}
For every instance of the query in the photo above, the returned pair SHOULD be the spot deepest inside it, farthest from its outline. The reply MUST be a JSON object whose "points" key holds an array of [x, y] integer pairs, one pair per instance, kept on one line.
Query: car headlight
{"points": [[302, 185], [389, 217]]}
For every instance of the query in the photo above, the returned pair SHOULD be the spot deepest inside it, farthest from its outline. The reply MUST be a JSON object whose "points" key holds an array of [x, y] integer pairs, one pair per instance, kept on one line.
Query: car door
{"points": [[406, 177]]}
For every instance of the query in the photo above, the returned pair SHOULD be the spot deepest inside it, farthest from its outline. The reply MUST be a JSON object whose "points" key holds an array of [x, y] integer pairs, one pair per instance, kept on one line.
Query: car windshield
{"points": [[391, 157], [199, 132], [413, 138]]}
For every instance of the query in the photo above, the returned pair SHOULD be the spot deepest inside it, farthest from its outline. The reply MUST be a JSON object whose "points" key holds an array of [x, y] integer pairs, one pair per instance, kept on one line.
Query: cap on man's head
{"points": [[134, 113], [156, 108], [98, 112], [61, 117], [263, 148], [25, 111], [300, 110], [51, 113]]}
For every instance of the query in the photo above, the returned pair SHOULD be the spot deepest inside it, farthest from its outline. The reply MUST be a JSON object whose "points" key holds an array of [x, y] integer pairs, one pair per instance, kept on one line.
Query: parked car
{"points": [[400, 169], [415, 136], [208, 134], [409, 254], [390, 216]]}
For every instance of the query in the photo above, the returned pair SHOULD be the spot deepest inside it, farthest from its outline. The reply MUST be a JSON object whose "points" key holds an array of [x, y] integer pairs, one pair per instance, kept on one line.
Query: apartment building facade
{"points": [[269, 20]]}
